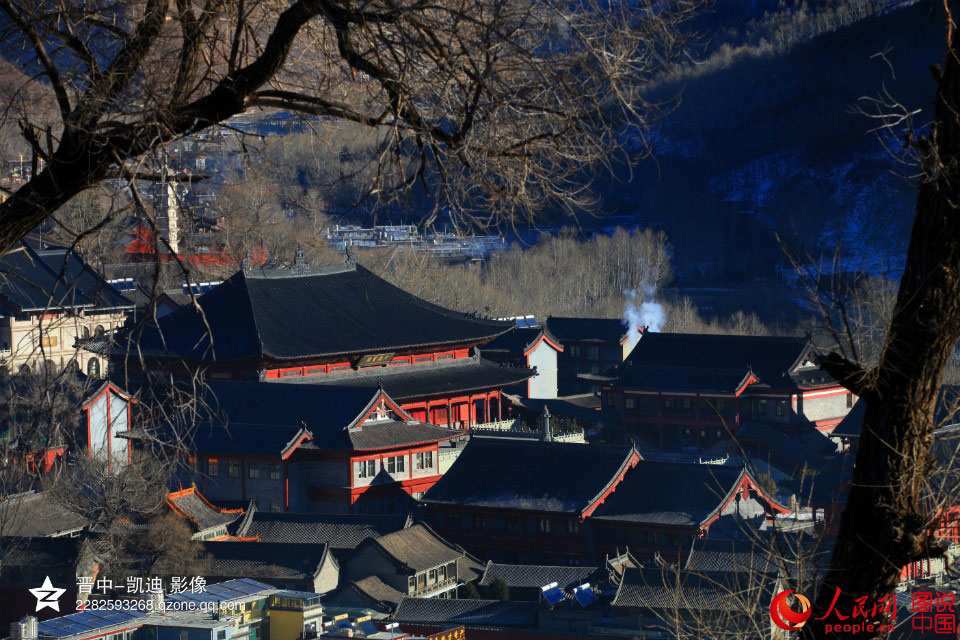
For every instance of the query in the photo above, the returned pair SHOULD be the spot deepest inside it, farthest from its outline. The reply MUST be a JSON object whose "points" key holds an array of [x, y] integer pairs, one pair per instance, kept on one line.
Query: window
{"points": [[253, 470], [573, 527], [395, 464], [721, 406], [432, 576], [686, 405], [274, 471], [222, 634], [93, 367], [48, 341], [668, 404], [421, 580], [423, 460], [412, 583], [781, 408], [418, 494], [99, 330], [233, 468], [276, 507], [759, 408], [366, 468], [212, 470], [510, 524], [442, 573], [479, 522], [630, 403], [593, 353], [544, 524], [574, 350], [649, 537]]}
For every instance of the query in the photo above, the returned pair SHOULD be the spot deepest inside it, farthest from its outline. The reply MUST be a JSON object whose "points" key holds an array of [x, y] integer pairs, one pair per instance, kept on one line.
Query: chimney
{"points": [[545, 434]]}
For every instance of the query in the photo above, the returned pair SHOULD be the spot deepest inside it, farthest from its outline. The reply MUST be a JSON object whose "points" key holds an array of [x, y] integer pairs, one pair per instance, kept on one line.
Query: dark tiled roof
{"points": [[340, 531], [802, 444], [417, 548], [40, 552], [512, 613], [540, 476], [325, 311], [263, 560], [369, 593], [36, 515], [519, 339], [668, 378], [415, 381], [536, 575], [852, 423], [710, 362], [669, 493], [250, 417], [199, 512], [731, 555], [32, 281], [692, 590], [584, 329], [376, 590]]}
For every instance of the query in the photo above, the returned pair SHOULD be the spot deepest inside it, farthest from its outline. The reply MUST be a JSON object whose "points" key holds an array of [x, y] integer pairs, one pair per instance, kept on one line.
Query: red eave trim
{"points": [[632, 462], [746, 383], [286, 453]]}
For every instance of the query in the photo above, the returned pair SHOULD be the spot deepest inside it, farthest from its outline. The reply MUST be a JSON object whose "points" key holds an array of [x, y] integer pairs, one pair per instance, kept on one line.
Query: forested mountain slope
{"points": [[765, 139]]}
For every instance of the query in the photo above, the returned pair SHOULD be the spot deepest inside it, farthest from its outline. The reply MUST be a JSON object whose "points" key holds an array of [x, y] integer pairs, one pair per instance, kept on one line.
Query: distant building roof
{"points": [[520, 340], [747, 555], [538, 476], [264, 560], [36, 514], [673, 493], [377, 591], [720, 363], [40, 552], [536, 575], [587, 329], [259, 417], [340, 531], [667, 588], [198, 511], [309, 312], [54, 278], [508, 613], [461, 375], [417, 548]]}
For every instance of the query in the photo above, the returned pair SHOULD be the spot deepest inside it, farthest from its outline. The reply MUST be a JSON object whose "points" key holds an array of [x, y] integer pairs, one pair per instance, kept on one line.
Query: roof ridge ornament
{"points": [[351, 256]]}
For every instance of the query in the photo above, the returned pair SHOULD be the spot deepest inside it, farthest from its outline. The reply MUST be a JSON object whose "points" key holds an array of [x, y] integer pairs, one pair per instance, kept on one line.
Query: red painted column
{"points": [[499, 406], [286, 486]]}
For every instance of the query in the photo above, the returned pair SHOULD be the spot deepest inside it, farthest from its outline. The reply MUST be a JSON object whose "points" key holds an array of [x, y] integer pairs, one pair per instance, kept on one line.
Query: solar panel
{"points": [[86, 621], [552, 594], [584, 595], [367, 626], [344, 624]]}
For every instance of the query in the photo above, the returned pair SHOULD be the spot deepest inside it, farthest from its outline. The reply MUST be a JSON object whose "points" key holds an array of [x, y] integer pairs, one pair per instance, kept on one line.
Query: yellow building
{"points": [[50, 302], [294, 614]]}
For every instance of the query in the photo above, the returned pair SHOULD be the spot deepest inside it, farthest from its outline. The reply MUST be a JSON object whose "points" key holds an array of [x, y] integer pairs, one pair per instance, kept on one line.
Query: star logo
{"points": [[47, 596]]}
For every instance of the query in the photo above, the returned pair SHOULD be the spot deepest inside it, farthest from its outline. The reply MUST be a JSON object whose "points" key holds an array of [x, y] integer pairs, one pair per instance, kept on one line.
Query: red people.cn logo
{"points": [[785, 617]]}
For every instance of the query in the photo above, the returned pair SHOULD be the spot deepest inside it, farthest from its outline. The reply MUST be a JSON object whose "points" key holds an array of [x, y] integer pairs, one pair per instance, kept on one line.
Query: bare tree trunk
{"points": [[888, 522]]}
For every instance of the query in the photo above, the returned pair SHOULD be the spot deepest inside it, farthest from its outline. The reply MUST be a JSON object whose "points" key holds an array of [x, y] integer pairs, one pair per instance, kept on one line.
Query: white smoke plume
{"points": [[642, 312]]}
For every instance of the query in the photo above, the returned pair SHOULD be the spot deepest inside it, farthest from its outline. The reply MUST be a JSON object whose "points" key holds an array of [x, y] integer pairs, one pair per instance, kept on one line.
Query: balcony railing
{"points": [[437, 586]]}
